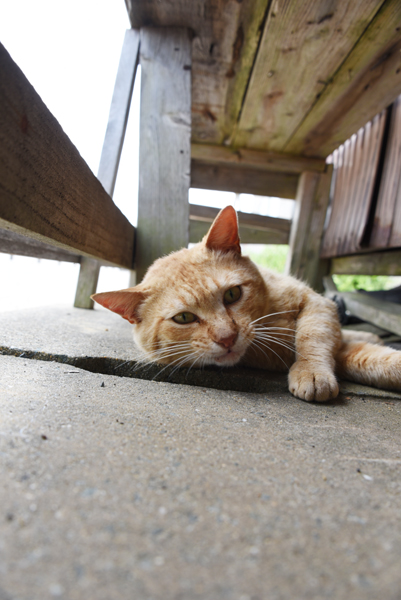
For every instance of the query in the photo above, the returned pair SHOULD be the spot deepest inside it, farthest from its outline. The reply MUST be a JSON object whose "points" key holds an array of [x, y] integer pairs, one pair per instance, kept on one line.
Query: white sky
{"points": [[69, 51]]}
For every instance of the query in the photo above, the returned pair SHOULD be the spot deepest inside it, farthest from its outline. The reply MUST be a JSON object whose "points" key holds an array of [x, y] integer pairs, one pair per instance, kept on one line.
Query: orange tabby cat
{"points": [[209, 305]]}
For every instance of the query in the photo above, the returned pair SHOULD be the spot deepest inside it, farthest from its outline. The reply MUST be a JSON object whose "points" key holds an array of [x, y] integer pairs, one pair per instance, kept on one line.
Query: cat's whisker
{"points": [[283, 312], [271, 350], [281, 343], [178, 354], [170, 352], [183, 361], [257, 347], [273, 328]]}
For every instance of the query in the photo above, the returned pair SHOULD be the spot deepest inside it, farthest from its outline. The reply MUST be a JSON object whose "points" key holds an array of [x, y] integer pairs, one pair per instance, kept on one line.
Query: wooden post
{"points": [[307, 228], [111, 152], [164, 147]]}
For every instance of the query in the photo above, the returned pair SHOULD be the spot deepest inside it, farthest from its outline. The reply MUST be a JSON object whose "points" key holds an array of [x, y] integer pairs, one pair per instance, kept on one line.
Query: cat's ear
{"points": [[223, 234], [123, 302]]}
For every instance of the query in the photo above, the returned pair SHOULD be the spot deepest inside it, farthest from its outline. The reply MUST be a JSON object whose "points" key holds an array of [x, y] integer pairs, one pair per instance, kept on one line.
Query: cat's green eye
{"points": [[232, 295], [184, 318]]}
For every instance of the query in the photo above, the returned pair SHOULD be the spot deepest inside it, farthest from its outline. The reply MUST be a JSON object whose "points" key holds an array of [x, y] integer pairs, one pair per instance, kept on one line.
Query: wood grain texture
{"points": [[225, 40], [46, 190], [165, 150], [15, 243], [378, 263], [381, 313], [245, 180], [387, 223], [356, 170], [302, 46], [271, 225], [255, 159], [366, 82], [303, 260]]}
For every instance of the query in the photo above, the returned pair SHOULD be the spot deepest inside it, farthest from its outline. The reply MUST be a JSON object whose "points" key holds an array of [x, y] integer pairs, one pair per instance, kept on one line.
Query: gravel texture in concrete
{"points": [[117, 488]]}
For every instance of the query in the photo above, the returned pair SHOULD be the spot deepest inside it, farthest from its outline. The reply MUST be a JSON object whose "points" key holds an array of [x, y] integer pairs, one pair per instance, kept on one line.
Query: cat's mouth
{"points": [[231, 357]]}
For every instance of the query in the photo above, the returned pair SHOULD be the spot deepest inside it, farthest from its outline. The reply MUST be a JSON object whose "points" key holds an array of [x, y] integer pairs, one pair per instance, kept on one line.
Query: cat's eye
{"points": [[232, 295], [184, 317]]}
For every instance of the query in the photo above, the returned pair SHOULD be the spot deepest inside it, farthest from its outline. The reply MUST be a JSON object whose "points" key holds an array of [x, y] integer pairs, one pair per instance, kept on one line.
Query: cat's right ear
{"points": [[223, 234], [125, 303]]}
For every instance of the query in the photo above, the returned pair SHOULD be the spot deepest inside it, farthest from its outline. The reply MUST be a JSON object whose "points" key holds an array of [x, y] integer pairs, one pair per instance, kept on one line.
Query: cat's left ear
{"points": [[125, 303], [223, 234]]}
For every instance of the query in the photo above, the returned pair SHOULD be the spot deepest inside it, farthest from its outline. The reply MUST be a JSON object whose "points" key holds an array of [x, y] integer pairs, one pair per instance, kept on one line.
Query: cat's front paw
{"points": [[311, 382]]}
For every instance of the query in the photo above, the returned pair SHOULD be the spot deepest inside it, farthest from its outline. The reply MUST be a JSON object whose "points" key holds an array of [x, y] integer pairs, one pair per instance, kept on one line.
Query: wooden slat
{"points": [[165, 150], [367, 81], [119, 111], [111, 152], [245, 180], [14, 243], [303, 260], [46, 190], [381, 313], [226, 37], [248, 235], [302, 46], [254, 159], [246, 220], [355, 175], [387, 224], [378, 263]]}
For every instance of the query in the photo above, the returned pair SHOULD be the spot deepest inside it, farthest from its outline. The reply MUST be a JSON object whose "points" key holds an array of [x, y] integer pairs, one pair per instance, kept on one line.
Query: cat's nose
{"points": [[227, 341]]}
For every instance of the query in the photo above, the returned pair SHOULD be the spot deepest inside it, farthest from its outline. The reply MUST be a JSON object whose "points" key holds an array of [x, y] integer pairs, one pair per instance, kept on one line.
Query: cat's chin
{"points": [[229, 359]]}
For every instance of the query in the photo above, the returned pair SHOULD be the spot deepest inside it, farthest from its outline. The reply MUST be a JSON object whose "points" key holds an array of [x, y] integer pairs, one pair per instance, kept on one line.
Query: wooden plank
{"points": [[302, 46], [356, 168], [119, 111], [111, 151], [372, 263], [87, 283], [255, 159], [386, 315], [46, 190], [245, 180], [225, 40], [303, 260], [248, 235], [165, 150], [387, 226], [246, 220], [367, 81], [14, 243]]}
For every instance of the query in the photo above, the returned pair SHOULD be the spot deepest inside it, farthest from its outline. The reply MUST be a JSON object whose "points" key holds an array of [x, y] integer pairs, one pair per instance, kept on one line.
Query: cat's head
{"points": [[196, 306]]}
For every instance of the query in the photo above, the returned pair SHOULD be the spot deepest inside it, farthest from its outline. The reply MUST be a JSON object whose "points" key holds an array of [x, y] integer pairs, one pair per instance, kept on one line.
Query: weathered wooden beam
{"points": [[46, 190], [254, 159], [14, 243], [111, 151], [243, 180], [381, 313], [248, 235], [119, 111], [303, 44], [368, 80], [246, 220], [165, 148], [371, 263], [307, 228]]}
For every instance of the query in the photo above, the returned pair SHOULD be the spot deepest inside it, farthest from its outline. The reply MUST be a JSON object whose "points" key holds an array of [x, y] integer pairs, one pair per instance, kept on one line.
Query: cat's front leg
{"points": [[318, 336]]}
